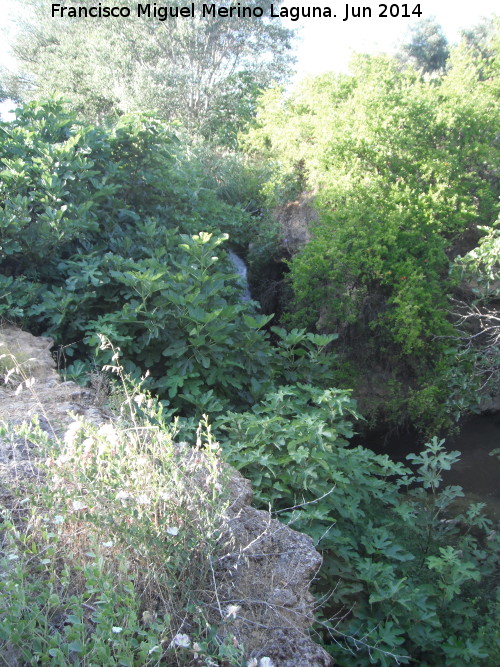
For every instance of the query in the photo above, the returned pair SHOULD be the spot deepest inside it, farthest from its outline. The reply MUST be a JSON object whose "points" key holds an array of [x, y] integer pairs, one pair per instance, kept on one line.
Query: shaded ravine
{"points": [[477, 471]]}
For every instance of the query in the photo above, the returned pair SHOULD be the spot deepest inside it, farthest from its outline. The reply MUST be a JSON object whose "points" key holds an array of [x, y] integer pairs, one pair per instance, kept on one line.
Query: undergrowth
{"points": [[107, 557]]}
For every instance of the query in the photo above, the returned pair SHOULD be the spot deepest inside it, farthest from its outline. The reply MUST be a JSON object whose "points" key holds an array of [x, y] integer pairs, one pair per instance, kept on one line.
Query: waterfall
{"points": [[241, 269]]}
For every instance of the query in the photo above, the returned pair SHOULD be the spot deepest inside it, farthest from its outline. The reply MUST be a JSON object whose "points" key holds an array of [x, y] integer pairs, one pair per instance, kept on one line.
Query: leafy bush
{"points": [[403, 170], [100, 233], [411, 581]]}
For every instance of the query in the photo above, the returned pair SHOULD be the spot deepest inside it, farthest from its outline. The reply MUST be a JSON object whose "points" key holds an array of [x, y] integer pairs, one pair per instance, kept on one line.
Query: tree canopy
{"points": [[427, 48], [206, 71], [481, 38], [404, 170]]}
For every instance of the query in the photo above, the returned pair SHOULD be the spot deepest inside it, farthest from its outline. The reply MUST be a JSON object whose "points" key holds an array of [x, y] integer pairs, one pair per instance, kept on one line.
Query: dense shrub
{"points": [[403, 169], [405, 580], [113, 232], [108, 556]]}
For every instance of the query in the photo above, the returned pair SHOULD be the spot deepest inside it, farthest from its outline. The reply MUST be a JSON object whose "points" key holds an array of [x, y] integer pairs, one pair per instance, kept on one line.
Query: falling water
{"points": [[241, 269]]}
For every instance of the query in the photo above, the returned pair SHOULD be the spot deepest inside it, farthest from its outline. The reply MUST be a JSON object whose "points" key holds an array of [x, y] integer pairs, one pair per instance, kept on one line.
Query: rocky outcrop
{"points": [[29, 386], [295, 219], [264, 570]]}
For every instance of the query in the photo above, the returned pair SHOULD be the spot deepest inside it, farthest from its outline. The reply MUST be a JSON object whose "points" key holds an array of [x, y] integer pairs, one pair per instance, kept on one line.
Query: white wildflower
{"points": [[79, 505], [252, 663], [88, 444], [266, 662], [122, 495], [172, 530], [64, 458], [72, 432], [232, 610], [143, 499], [181, 640], [108, 432], [116, 630]]}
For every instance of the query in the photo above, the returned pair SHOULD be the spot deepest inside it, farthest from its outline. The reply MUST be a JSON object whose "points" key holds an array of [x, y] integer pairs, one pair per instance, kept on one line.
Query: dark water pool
{"points": [[477, 472]]}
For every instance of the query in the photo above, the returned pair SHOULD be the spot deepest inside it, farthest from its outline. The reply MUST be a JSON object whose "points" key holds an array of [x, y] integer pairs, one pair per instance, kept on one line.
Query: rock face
{"points": [[295, 219], [264, 570], [33, 387], [47, 393]]}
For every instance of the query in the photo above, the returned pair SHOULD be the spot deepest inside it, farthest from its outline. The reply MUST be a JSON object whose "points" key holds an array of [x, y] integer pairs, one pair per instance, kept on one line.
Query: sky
{"points": [[327, 43]]}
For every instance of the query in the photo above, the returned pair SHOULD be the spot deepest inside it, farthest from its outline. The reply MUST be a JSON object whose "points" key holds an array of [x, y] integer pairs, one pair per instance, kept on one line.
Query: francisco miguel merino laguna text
{"points": [[207, 10]]}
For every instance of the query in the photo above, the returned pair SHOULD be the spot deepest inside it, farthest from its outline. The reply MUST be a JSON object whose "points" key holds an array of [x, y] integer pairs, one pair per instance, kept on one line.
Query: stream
{"points": [[477, 472]]}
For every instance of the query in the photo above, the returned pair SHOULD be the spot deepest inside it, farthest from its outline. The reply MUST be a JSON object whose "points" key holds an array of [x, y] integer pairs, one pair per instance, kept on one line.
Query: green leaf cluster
{"points": [[403, 170], [100, 234], [405, 580]]}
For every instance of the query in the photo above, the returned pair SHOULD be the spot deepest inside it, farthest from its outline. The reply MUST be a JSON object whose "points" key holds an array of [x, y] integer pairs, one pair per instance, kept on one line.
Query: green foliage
{"points": [[427, 47], [99, 234], [297, 456], [478, 318], [404, 169], [98, 238], [206, 72], [481, 266], [178, 319], [416, 583], [480, 40], [235, 177], [301, 357]]}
